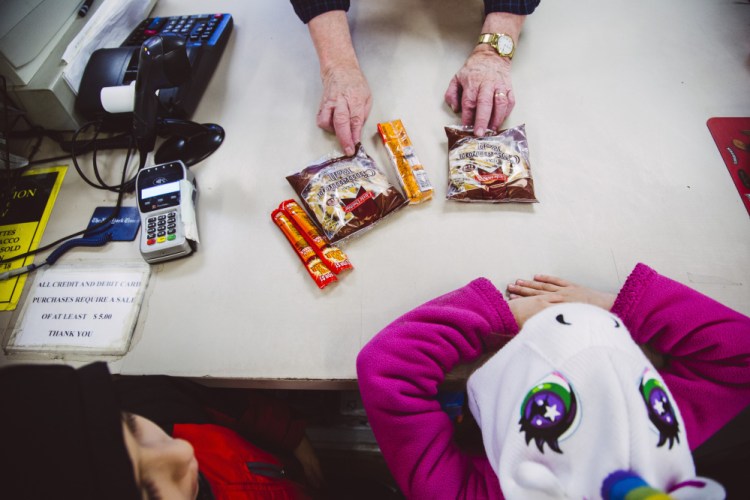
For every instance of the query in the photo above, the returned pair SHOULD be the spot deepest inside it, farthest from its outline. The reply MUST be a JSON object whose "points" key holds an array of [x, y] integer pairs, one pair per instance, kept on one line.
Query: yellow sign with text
{"points": [[26, 203]]}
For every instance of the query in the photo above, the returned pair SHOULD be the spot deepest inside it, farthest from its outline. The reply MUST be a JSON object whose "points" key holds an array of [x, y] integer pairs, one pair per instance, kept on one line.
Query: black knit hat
{"points": [[62, 435]]}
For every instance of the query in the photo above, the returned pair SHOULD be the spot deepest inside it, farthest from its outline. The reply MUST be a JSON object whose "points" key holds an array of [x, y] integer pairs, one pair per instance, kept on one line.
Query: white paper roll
{"points": [[120, 99]]}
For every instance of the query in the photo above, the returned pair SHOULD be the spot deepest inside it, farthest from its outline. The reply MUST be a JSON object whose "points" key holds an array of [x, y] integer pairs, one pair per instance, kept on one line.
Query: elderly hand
{"points": [[345, 105], [482, 90], [346, 99]]}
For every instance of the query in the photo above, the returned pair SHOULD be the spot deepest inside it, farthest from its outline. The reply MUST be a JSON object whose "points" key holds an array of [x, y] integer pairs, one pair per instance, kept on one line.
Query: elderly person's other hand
{"points": [[345, 105], [482, 89], [346, 101]]}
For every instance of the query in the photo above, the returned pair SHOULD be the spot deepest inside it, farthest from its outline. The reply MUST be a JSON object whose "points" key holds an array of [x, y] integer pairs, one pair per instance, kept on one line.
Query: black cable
{"points": [[77, 146], [91, 241], [125, 186], [92, 229], [120, 141], [74, 157]]}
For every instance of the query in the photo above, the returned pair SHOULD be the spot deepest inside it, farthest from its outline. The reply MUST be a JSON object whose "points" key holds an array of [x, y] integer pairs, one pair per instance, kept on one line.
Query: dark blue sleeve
{"points": [[307, 9], [521, 7]]}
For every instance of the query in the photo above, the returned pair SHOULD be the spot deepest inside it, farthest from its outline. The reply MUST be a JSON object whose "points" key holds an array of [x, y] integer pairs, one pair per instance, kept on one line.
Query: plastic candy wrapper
{"points": [[489, 169], [411, 173], [332, 256], [346, 194], [315, 267]]}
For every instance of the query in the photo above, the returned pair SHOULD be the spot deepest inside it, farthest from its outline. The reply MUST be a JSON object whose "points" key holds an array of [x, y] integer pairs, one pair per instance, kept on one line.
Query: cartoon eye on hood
{"points": [[547, 411], [661, 412]]}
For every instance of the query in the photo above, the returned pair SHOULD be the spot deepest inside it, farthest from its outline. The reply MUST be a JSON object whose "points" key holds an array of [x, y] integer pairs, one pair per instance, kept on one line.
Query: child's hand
{"points": [[528, 297], [543, 286], [525, 307]]}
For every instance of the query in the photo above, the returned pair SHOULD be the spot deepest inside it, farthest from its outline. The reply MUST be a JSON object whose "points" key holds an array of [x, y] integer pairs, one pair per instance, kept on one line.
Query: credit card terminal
{"points": [[166, 201]]}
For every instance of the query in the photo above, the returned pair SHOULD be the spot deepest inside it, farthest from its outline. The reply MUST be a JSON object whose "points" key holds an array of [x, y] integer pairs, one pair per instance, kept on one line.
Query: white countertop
{"points": [[615, 97]]}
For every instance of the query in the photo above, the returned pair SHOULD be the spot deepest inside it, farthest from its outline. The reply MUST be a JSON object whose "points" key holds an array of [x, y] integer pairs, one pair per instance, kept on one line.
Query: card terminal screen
{"points": [[160, 188]]}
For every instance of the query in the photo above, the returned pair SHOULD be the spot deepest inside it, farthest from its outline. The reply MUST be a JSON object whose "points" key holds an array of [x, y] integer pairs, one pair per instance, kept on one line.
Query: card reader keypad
{"points": [[161, 228]]}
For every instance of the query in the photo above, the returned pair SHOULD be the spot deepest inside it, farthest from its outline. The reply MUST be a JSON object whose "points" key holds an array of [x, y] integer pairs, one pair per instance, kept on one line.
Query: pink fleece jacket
{"points": [[707, 346]]}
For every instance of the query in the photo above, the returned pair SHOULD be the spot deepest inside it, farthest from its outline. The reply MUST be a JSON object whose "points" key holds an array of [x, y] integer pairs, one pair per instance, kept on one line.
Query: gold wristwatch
{"points": [[501, 42]]}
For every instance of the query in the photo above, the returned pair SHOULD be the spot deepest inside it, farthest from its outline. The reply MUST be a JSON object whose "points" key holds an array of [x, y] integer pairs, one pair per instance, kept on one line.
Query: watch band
{"points": [[487, 37]]}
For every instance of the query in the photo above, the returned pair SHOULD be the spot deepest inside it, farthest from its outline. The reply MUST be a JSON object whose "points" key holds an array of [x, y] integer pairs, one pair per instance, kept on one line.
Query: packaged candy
{"points": [[315, 267], [303, 222], [332, 256], [335, 259], [411, 173], [490, 169], [346, 194]]}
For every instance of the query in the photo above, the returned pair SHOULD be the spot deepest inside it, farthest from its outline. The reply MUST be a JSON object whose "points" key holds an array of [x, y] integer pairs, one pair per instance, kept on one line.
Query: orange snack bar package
{"points": [[300, 218], [315, 267], [332, 256], [335, 259], [411, 173]]}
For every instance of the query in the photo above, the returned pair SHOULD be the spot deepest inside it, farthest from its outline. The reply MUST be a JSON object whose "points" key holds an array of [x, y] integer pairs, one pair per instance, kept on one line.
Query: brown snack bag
{"points": [[345, 195], [490, 169]]}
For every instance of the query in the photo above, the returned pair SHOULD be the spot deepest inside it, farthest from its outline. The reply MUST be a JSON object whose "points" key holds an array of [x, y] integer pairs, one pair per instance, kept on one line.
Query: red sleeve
{"points": [[706, 345]]}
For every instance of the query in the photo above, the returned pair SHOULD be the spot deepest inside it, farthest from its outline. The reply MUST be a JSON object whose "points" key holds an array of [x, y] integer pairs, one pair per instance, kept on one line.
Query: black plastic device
{"points": [[162, 63], [206, 37], [166, 195]]}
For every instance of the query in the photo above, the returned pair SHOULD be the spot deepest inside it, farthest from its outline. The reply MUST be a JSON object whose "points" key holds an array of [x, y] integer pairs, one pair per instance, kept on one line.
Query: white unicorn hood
{"points": [[571, 408]]}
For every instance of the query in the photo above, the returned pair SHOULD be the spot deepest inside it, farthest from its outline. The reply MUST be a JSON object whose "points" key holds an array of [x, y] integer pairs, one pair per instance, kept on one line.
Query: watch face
{"points": [[505, 44]]}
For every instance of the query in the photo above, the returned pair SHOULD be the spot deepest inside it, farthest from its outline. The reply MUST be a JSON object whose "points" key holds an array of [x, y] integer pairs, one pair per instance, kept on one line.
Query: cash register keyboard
{"points": [[198, 30]]}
